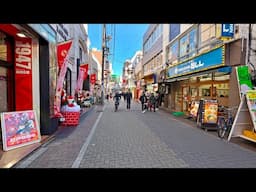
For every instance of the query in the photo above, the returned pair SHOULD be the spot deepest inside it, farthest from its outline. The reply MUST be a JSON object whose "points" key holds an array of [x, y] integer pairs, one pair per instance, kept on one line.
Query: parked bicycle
{"points": [[225, 121]]}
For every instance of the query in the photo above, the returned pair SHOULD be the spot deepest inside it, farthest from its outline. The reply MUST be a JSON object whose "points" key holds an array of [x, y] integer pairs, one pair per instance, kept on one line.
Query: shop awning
{"points": [[222, 70]]}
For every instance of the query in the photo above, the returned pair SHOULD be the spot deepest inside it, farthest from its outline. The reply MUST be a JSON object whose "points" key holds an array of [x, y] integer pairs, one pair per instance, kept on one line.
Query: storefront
{"points": [[206, 76], [28, 70], [151, 84]]}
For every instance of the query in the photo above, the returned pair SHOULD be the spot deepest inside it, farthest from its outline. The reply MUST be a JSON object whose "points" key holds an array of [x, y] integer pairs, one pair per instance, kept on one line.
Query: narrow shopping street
{"points": [[131, 139]]}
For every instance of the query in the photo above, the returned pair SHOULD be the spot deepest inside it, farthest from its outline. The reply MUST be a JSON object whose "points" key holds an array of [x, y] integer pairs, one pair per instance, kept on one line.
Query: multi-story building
{"points": [[137, 73], [152, 63], [79, 52], [201, 61]]}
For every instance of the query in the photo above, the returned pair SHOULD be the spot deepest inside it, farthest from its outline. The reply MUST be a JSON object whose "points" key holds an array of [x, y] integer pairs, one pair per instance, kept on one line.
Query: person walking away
{"points": [[157, 97], [152, 101], [128, 99], [143, 100], [116, 99]]}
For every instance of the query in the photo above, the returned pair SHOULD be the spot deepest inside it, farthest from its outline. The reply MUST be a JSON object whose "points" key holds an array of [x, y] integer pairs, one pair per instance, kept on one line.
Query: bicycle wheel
{"points": [[221, 127]]}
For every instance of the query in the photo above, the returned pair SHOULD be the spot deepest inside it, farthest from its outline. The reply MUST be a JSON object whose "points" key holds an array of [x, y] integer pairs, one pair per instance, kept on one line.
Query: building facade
{"points": [[28, 69], [152, 62], [201, 63]]}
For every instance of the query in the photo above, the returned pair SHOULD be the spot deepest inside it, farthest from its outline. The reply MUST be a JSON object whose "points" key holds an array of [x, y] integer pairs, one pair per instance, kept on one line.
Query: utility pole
{"points": [[103, 61]]}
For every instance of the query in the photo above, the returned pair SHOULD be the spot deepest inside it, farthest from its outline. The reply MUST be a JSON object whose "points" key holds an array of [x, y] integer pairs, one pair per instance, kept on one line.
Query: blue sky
{"points": [[126, 40]]}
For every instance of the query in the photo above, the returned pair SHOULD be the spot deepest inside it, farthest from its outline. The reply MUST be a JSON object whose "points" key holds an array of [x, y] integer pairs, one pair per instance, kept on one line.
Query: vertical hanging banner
{"points": [[93, 78], [83, 73], [23, 74], [62, 55]]}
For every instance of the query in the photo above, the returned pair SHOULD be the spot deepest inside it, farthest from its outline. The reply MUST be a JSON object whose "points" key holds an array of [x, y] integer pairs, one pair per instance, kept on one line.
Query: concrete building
{"points": [[200, 63], [152, 62]]}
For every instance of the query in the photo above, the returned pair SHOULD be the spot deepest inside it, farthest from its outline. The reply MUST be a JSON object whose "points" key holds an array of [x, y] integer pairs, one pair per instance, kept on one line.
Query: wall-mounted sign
{"points": [[19, 128], [23, 74], [227, 30], [205, 61]]}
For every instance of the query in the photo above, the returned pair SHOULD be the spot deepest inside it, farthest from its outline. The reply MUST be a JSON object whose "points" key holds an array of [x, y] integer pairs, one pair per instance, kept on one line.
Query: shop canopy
{"points": [[220, 71]]}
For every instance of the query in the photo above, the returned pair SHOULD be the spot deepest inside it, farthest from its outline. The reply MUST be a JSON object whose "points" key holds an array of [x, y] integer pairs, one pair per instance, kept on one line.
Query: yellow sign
{"points": [[251, 94]]}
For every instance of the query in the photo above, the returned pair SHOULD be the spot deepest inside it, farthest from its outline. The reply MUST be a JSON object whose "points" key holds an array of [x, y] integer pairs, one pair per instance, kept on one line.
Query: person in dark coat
{"points": [[143, 101], [152, 101], [128, 99]]}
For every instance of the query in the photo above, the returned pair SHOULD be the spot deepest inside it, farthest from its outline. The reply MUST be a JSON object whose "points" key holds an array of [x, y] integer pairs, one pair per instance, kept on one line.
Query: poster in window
{"points": [[192, 41], [19, 128], [173, 52], [210, 111], [184, 43]]}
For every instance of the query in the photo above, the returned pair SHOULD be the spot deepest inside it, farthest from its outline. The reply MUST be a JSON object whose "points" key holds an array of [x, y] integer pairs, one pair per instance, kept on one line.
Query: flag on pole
{"points": [[62, 55]]}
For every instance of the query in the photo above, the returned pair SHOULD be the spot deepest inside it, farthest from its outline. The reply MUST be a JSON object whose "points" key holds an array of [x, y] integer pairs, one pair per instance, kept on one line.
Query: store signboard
{"points": [[194, 109], [227, 30], [208, 60], [210, 111], [19, 128], [244, 78]]}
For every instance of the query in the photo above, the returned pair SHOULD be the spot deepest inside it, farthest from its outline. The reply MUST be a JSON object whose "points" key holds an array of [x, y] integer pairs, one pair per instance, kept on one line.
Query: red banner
{"points": [[23, 74], [83, 73], [93, 78], [62, 51], [85, 67]]}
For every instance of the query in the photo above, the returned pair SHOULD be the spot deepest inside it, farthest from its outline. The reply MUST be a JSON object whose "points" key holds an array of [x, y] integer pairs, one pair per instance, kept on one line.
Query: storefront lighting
{"points": [[21, 35]]}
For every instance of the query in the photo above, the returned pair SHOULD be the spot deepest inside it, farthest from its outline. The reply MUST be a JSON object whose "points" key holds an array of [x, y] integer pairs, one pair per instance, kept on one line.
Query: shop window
{"points": [[222, 89], [3, 47], [204, 90]]}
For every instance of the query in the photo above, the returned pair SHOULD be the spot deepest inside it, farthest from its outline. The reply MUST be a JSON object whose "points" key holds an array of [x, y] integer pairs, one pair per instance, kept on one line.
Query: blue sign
{"points": [[227, 30], [202, 62]]}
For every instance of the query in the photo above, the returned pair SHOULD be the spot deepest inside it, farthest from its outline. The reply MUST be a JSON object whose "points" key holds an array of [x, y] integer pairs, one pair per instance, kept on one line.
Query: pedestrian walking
{"points": [[128, 99], [143, 101], [152, 102]]}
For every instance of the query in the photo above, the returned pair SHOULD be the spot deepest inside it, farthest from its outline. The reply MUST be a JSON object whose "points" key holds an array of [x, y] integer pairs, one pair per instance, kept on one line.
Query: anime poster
{"points": [[19, 128]]}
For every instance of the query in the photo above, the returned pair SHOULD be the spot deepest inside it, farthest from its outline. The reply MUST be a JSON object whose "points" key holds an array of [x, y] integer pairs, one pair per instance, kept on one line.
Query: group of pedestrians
{"points": [[127, 97], [149, 101]]}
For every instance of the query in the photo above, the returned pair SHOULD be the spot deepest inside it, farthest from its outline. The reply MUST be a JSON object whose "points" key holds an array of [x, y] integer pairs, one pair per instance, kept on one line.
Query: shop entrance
{"points": [[185, 99]]}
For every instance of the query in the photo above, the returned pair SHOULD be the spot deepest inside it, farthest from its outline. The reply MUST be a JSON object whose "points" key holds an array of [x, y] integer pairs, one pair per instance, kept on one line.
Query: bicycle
{"points": [[225, 122]]}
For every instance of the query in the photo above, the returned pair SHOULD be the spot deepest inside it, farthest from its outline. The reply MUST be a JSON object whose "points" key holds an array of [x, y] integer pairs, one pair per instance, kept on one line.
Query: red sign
{"points": [[19, 128], [62, 51], [23, 74], [93, 78], [85, 67]]}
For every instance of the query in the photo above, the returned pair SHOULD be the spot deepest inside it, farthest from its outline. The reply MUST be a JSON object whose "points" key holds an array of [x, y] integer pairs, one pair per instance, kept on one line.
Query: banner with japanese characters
{"points": [[83, 73]]}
